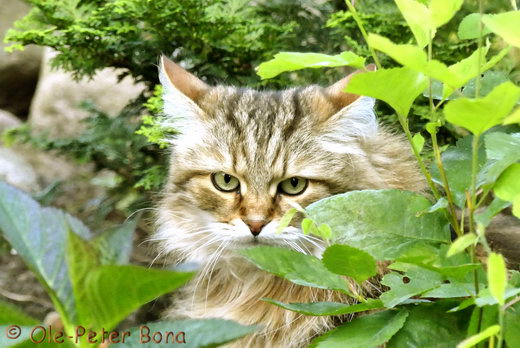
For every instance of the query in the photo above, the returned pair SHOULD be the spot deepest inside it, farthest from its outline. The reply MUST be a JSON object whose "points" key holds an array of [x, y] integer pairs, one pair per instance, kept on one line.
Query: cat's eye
{"points": [[293, 186], [225, 182]]}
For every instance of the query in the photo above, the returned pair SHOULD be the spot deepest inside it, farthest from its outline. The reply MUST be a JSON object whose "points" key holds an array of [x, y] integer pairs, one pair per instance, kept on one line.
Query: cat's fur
{"points": [[261, 137]]}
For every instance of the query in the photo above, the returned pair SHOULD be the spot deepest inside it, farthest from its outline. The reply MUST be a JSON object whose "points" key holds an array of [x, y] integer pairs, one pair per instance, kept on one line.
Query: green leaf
{"points": [[505, 25], [479, 115], [457, 164], [290, 61], [12, 315], [296, 267], [469, 27], [513, 118], [285, 220], [381, 222], [349, 261], [444, 10], [451, 290], [364, 332], [475, 339], [497, 277], [497, 205], [402, 287], [485, 298], [419, 19], [398, 87], [461, 243], [39, 235], [198, 333], [429, 326], [501, 152], [507, 186], [115, 244], [418, 142], [113, 292], [511, 325], [327, 308]]}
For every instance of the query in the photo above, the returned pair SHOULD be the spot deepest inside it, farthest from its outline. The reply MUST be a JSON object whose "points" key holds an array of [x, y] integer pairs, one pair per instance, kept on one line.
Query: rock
{"points": [[19, 70], [55, 108], [7, 120], [15, 170]]}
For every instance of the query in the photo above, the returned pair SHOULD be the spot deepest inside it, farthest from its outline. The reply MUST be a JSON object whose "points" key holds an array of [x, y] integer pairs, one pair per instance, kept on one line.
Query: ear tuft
{"points": [[336, 92]]}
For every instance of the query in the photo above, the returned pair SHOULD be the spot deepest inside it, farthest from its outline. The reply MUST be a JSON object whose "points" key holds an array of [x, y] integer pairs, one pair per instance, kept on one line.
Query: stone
{"points": [[56, 105], [15, 170], [19, 70], [7, 120]]}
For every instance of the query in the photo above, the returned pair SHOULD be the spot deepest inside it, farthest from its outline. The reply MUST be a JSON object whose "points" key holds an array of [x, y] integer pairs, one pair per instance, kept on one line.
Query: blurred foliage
{"points": [[221, 41]]}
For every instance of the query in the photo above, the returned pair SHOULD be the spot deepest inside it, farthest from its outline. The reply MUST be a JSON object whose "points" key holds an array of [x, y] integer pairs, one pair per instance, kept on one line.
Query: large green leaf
{"points": [[201, 333], [290, 61], [469, 27], [479, 115], [398, 87], [296, 267], [512, 325], [327, 308], [364, 332], [414, 282], [419, 19], [349, 261], [113, 292], [456, 162], [444, 10], [429, 326], [115, 244], [507, 187], [383, 223], [501, 152], [507, 25], [39, 235]]}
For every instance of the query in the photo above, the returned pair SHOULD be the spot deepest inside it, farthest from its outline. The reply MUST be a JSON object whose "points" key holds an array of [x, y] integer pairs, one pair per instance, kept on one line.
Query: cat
{"points": [[242, 159]]}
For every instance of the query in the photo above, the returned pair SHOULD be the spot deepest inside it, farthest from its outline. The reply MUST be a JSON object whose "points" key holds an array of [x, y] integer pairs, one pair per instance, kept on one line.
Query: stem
{"points": [[445, 183], [404, 124], [501, 323], [359, 23], [512, 302]]}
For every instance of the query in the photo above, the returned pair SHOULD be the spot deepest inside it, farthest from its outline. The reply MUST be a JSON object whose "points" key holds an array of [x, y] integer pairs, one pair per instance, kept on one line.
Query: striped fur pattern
{"points": [[263, 137]]}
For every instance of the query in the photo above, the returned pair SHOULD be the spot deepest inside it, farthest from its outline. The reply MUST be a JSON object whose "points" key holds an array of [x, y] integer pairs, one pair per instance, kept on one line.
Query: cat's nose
{"points": [[256, 226]]}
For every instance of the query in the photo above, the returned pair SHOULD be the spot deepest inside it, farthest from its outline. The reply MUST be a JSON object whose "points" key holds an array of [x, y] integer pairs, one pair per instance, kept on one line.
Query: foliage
{"points": [[88, 277], [475, 301]]}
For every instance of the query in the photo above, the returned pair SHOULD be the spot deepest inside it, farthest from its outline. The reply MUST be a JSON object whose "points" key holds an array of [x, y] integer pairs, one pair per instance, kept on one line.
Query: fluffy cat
{"points": [[241, 158]]}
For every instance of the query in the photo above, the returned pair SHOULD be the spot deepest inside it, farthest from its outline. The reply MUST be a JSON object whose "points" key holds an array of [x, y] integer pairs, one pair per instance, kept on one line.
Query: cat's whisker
{"points": [[218, 253], [140, 210]]}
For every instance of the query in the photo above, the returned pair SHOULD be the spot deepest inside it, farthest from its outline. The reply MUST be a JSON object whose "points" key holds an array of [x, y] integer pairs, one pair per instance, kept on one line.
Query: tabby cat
{"points": [[241, 160]]}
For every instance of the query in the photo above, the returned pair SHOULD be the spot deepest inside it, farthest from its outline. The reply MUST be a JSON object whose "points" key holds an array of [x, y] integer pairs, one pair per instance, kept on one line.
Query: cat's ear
{"points": [[354, 113], [182, 90]]}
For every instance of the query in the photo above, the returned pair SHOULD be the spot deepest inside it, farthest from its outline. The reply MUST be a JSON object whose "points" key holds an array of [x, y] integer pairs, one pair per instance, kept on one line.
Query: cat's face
{"points": [[245, 157]]}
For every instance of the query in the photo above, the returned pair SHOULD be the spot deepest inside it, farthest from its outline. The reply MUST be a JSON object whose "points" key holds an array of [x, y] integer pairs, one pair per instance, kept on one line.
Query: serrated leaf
{"points": [[419, 20], [296, 267], [397, 87], [461, 243], [290, 61], [198, 333], [506, 25], [429, 326], [349, 261], [381, 222], [479, 115], [469, 27], [497, 277], [367, 331], [416, 281], [327, 308]]}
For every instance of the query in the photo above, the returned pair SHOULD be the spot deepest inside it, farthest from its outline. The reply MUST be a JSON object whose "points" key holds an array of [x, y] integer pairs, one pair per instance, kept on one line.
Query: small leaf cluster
{"points": [[435, 290]]}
